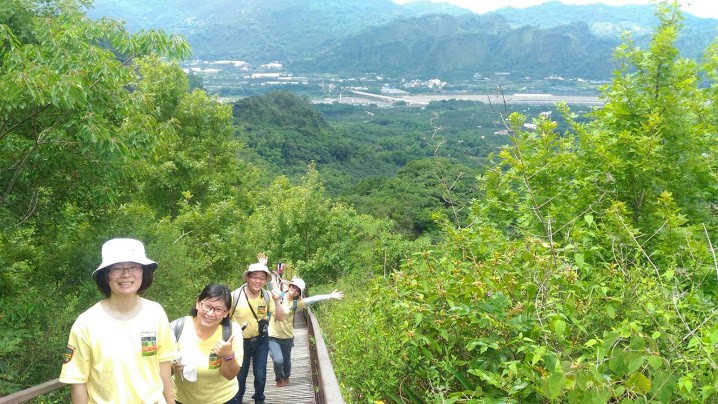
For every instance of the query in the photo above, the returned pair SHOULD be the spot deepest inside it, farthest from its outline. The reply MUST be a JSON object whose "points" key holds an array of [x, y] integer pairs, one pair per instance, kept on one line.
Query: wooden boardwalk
{"points": [[301, 388]]}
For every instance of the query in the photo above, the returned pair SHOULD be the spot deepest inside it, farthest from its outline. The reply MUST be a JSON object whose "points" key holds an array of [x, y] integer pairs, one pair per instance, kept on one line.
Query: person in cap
{"points": [[209, 350], [281, 332], [254, 305], [120, 350]]}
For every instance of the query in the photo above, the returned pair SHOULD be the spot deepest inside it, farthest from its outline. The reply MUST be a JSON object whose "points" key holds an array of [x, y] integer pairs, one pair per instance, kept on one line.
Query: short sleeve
{"points": [[167, 347], [77, 356]]}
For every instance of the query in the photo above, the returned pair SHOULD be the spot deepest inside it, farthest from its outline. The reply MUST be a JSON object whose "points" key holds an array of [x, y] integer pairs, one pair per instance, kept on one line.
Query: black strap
{"points": [[227, 330], [235, 300], [250, 305]]}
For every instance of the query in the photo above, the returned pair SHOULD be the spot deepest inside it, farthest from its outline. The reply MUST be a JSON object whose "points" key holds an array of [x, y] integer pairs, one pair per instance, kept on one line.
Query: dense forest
{"points": [[575, 263]]}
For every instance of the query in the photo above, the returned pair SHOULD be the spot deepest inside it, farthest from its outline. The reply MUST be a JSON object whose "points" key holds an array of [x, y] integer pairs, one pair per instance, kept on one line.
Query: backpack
{"points": [[235, 299], [178, 325]]}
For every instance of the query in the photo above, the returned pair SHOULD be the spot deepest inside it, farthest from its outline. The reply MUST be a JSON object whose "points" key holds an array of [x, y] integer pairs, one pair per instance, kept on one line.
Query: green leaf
{"points": [[559, 327], [633, 361], [638, 383], [554, 385], [655, 361], [538, 355]]}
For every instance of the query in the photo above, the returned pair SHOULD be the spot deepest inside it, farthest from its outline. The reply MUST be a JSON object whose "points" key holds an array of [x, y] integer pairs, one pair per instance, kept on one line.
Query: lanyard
{"points": [[250, 305]]}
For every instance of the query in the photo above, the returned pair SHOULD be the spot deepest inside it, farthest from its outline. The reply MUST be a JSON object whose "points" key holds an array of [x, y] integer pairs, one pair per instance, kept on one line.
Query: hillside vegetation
{"points": [[587, 273], [100, 138], [573, 264]]}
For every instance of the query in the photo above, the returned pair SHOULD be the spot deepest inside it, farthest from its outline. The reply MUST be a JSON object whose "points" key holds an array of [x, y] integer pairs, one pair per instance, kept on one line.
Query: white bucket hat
{"points": [[256, 267], [124, 250], [298, 282]]}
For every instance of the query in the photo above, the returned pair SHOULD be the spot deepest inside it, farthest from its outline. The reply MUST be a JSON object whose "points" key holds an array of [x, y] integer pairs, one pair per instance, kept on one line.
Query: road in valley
{"points": [[364, 98]]}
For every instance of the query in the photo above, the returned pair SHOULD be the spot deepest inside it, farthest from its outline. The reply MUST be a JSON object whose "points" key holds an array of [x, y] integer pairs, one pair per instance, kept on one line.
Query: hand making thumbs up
{"points": [[223, 349]]}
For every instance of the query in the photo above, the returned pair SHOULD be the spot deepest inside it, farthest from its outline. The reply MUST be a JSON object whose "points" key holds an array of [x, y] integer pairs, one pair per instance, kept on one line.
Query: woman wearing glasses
{"points": [[281, 332], [209, 351], [120, 350]]}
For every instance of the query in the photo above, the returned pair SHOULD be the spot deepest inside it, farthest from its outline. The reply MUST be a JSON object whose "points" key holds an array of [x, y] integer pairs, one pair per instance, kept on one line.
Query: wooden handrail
{"points": [[32, 392], [329, 388], [329, 391]]}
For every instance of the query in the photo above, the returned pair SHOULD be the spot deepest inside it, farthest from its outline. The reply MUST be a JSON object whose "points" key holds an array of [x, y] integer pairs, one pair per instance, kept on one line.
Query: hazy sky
{"points": [[701, 8]]}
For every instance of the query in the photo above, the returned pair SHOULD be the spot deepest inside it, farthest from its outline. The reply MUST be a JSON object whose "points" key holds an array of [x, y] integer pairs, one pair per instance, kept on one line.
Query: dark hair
{"points": [[215, 290], [103, 284]]}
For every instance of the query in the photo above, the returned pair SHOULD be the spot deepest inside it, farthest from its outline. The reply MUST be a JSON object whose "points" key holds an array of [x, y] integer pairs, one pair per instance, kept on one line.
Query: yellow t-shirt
{"points": [[211, 387], [243, 314], [119, 359], [285, 329]]}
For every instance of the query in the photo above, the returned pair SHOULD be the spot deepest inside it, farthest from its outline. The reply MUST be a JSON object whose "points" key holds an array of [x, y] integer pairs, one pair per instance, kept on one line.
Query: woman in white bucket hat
{"points": [[121, 349], [281, 332]]}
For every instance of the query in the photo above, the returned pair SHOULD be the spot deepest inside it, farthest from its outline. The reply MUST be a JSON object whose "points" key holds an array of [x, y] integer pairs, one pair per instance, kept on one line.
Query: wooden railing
{"points": [[32, 392], [328, 391]]}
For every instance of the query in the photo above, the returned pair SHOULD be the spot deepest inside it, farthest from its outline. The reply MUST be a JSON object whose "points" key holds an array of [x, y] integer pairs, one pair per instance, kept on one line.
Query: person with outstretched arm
{"points": [[281, 332]]}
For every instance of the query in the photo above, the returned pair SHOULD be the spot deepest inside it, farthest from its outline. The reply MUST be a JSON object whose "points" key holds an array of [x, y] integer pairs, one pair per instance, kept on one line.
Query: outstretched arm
{"points": [[320, 298]]}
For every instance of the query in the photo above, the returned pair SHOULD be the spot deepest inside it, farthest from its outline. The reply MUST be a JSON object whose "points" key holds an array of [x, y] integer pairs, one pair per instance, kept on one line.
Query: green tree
{"points": [[68, 107], [200, 164], [75, 127]]}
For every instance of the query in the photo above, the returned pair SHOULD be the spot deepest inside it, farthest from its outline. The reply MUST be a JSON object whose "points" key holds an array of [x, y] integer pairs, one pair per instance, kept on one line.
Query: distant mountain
{"points": [[423, 39], [457, 47], [261, 31], [610, 22]]}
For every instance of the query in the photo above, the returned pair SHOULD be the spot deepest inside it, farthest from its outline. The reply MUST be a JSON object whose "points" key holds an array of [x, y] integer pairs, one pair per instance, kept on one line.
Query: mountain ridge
{"points": [[415, 40]]}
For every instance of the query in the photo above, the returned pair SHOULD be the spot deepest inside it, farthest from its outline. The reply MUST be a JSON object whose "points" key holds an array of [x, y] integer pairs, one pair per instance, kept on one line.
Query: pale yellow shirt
{"points": [[243, 314], [119, 360], [285, 329], [210, 387]]}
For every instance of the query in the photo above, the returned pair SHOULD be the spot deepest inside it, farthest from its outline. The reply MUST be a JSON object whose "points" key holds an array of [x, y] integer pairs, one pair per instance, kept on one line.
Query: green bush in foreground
{"points": [[588, 273]]}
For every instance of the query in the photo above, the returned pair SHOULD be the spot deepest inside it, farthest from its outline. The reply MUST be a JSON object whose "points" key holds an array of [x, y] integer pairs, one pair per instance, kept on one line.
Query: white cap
{"points": [[298, 282], [124, 250]]}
